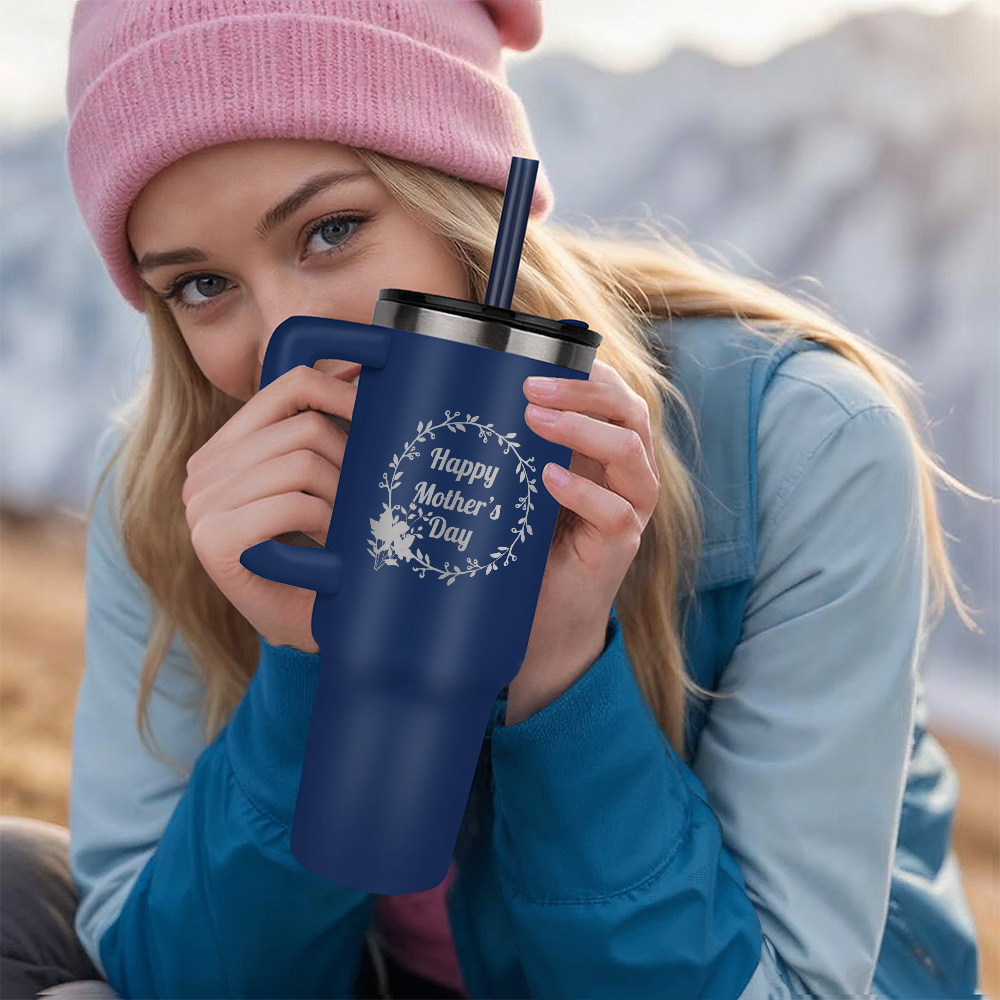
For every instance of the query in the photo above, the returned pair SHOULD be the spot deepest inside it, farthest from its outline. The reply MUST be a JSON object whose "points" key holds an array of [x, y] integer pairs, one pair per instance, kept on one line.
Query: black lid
{"points": [[573, 330]]}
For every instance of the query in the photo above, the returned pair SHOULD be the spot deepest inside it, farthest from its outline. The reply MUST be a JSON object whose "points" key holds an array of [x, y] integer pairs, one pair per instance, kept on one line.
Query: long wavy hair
{"points": [[620, 284]]}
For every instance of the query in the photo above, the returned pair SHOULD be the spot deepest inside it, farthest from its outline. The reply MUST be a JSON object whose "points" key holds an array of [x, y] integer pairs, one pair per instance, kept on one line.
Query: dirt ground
{"points": [[41, 660]]}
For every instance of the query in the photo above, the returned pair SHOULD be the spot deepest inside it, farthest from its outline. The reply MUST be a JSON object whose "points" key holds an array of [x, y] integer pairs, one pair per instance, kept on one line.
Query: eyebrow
{"points": [[272, 218]]}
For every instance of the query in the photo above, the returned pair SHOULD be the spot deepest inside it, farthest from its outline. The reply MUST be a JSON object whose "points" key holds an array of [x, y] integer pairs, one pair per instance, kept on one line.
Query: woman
{"points": [[759, 530]]}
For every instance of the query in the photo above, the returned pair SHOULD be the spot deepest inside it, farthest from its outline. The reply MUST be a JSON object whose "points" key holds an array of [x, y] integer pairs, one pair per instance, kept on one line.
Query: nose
{"points": [[261, 352], [280, 291], [346, 370], [276, 300], [264, 339], [279, 295]]}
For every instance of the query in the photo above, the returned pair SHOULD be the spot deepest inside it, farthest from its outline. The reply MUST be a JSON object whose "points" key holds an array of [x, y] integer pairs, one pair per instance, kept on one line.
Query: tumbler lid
{"points": [[570, 330]]}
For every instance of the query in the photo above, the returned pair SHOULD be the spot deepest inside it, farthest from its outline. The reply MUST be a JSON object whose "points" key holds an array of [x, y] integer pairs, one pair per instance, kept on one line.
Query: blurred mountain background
{"points": [[858, 167]]}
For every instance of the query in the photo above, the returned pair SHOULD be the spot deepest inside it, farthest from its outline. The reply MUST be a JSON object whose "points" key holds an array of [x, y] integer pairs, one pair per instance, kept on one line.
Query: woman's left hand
{"points": [[611, 494]]}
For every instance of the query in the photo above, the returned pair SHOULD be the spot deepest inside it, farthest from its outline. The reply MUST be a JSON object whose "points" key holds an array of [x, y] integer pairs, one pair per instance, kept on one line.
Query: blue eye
{"points": [[176, 289]]}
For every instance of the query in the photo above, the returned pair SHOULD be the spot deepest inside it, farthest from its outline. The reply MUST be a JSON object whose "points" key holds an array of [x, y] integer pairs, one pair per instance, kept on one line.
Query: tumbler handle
{"points": [[304, 340]]}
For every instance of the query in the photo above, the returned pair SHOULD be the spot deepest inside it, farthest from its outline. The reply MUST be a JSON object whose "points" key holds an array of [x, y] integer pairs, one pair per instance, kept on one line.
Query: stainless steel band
{"points": [[484, 333]]}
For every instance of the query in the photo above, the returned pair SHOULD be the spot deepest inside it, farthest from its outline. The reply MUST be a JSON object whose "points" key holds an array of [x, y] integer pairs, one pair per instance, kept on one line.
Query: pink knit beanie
{"points": [[150, 81]]}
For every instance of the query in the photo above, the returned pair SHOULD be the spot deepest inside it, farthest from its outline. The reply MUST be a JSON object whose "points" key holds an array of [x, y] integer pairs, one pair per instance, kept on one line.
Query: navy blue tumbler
{"points": [[427, 586]]}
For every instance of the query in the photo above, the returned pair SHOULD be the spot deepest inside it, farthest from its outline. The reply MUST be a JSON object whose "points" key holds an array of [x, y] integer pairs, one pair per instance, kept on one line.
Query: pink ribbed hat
{"points": [[151, 81]]}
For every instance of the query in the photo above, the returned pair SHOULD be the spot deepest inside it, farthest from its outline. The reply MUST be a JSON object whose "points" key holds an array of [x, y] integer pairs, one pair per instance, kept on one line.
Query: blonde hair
{"points": [[619, 285]]}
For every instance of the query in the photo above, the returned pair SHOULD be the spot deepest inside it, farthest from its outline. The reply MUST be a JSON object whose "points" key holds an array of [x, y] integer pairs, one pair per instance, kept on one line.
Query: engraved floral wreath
{"points": [[393, 536]]}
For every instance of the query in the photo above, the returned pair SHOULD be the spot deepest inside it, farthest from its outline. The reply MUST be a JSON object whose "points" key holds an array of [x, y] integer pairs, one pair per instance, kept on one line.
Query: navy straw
{"points": [[510, 234]]}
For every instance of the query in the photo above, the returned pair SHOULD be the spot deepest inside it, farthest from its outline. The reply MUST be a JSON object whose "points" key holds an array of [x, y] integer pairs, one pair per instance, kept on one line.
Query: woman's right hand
{"points": [[272, 468]]}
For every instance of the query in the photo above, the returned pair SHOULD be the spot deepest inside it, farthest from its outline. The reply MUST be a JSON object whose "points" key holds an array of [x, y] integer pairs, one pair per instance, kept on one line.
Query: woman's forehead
{"points": [[209, 179], [247, 155]]}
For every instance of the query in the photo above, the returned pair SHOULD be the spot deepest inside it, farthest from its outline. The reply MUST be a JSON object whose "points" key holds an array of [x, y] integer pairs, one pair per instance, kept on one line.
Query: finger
{"points": [[619, 451], [223, 533], [301, 471], [607, 512], [604, 395], [300, 388], [308, 429]]}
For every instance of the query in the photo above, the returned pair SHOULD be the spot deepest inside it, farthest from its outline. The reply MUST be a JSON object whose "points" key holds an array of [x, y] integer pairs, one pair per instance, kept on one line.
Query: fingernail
{"points": [[541, 384], [543, 413], [558, 474]]}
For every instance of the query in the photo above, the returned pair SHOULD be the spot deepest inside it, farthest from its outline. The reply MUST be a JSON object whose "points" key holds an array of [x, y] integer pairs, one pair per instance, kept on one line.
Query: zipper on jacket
{"points": [[918, 951]]}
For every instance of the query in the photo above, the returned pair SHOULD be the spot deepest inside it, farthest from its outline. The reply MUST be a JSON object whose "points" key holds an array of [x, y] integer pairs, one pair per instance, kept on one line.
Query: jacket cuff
{"points": [[266, 736], [567, 776]]}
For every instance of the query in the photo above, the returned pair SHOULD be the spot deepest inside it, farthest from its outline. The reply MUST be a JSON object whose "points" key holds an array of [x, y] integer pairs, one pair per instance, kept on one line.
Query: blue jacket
{"points": [[805, 852]]}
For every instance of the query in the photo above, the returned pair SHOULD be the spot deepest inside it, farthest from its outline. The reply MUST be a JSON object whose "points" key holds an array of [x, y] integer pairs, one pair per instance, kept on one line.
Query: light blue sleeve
{"points": [[621, 871], [805, 765], [187, 885], [120, 798]]}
